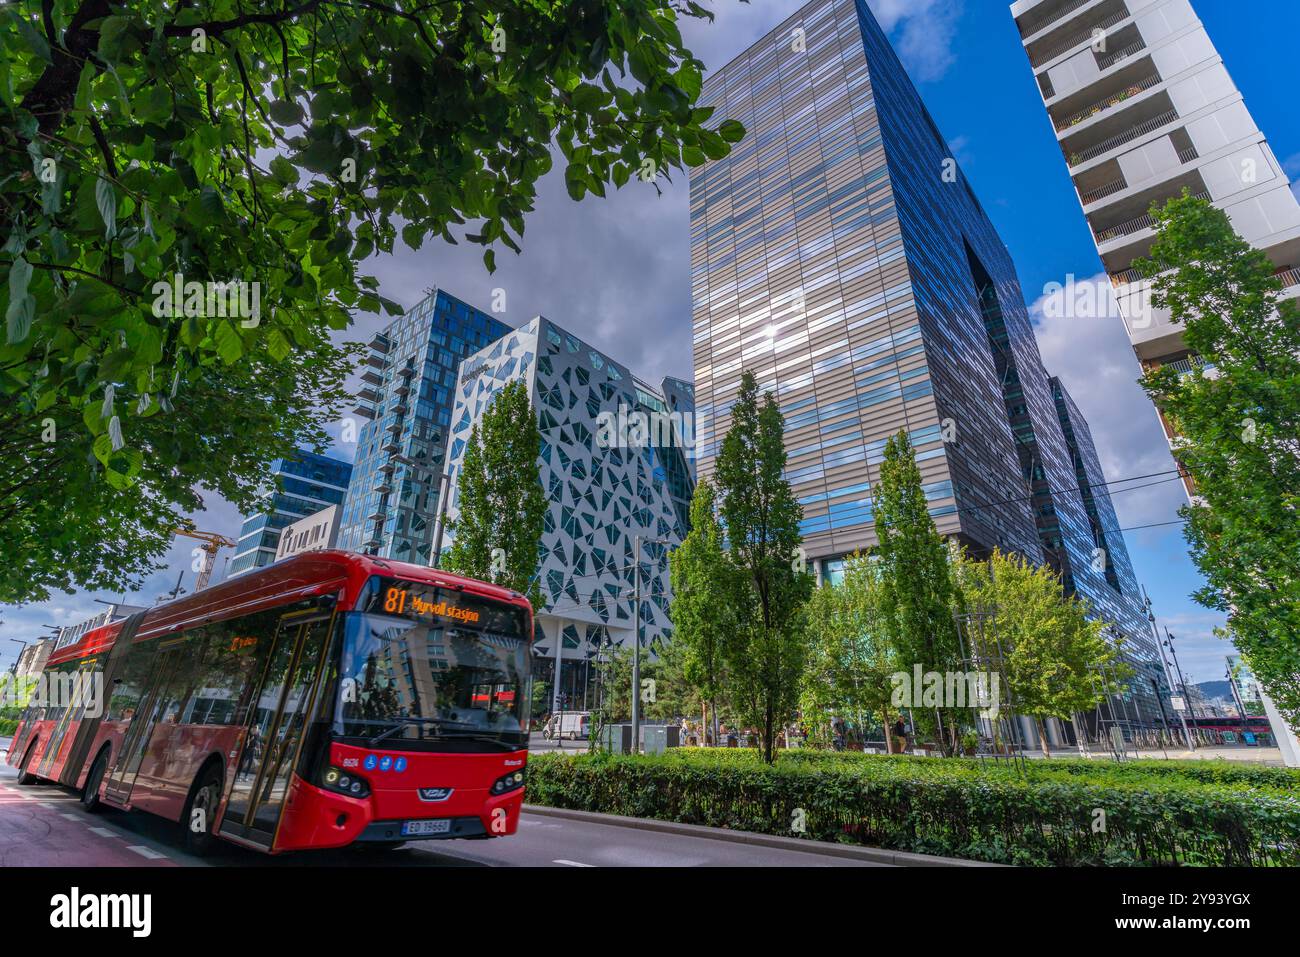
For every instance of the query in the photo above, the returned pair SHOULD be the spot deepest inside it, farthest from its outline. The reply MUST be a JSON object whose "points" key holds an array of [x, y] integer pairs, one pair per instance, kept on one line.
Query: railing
{"points": [[1101, 192], [1078, 36], [1108, 61], [1188, 154], [1101, 106], [1135, 225], [1188, 365], [1033, 24], [1125, 276], [1289, 278], [1119, 139]]}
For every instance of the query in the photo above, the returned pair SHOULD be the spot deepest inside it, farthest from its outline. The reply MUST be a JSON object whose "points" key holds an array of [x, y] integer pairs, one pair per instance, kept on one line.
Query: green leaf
{"points": [[286, 113], [34, 40], [285, 173], [731, 131], [106, 202], [277, 345], [229, 346]]}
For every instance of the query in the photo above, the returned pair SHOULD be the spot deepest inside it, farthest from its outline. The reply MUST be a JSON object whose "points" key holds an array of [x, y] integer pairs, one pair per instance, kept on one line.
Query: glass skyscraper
{"points": [[410, 383], [841, 255], [308, 482]]}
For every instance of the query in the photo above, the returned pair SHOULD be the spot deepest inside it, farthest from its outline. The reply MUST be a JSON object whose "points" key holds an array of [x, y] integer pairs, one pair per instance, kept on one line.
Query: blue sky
{"points": [[617, 271]]}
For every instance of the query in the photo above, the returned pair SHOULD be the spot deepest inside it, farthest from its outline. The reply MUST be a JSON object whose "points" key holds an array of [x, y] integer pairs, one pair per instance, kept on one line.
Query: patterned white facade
{"points": [[601, 494]]}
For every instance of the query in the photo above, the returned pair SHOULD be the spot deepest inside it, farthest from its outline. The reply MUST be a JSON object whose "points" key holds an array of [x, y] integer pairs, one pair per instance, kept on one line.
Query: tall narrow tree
{"points": [[502, 506], [766, 658], [704, 591], [916, 584]]}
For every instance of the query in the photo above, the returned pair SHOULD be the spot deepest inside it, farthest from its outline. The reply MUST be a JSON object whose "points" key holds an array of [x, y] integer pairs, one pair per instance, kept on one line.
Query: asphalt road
{"points": [[44, 825]]}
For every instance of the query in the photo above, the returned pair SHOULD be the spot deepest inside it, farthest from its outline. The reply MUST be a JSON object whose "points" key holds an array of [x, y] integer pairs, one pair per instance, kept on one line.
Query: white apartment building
{"points": [[1143, 107]]}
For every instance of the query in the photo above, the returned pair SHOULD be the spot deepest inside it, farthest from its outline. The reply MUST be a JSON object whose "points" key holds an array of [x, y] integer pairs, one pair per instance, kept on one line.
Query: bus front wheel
{"points": [[200, 810], [90, 796], [25, 777]]}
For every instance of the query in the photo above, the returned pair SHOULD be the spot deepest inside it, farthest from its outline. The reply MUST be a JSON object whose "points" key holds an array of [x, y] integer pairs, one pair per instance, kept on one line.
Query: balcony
{"points": [[372, 377], [1101, 192], [1289, 277], [1054, 44], [1130, 49], [1077, 157], [1047, 14], [364, 410], [1135, 225], [1126, 92]]}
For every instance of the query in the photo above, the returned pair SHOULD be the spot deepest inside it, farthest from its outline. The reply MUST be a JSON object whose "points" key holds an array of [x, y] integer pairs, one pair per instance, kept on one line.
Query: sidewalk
{"points": [[1245, 755]]}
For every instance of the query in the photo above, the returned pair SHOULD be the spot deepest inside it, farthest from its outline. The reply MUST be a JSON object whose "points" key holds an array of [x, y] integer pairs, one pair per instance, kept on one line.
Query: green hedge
{"points": [[961, 810], [1218, 771], [8, 726]]}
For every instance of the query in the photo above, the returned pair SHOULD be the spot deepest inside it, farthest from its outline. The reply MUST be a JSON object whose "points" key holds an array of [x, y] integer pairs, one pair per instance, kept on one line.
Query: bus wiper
{"points": [[403, 721]]}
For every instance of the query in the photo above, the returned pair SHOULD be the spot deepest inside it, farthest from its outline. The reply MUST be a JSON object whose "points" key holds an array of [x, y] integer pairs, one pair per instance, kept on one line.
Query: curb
{"points": [[876, 855]]}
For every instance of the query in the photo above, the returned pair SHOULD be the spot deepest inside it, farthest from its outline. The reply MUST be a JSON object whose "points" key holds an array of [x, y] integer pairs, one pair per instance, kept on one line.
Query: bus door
{"points": [[121, 778], [281, 707]]}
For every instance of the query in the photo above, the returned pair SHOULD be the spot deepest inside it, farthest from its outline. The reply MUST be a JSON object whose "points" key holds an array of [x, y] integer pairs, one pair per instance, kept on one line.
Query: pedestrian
{"points": [[900, 735]]}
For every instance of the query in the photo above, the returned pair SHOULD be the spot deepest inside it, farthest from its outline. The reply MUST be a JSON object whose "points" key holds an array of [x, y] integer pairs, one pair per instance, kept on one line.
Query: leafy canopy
{"points": [[282, 143]]}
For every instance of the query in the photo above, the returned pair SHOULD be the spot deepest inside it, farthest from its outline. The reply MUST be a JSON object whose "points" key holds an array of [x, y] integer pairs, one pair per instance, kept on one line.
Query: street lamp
{"points": [[636, 637]]}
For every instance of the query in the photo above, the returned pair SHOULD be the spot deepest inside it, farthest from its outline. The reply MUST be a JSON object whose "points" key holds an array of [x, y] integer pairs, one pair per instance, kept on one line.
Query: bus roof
{"points": [[301, 576]]}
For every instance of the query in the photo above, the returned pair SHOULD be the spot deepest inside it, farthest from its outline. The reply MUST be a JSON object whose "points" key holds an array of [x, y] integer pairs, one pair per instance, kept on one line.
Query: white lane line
{"points": [[146, 852], [71, 817], [103, 832], [572, 863]]}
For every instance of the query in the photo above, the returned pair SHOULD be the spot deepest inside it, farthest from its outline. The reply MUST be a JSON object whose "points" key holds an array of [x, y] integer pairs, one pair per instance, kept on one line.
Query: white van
{"points": [[575, 725]]}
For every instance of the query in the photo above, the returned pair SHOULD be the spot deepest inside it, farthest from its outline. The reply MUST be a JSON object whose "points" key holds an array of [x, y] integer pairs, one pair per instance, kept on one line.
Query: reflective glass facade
{"points": [[306, 484], [410, 379], [840, 254]]}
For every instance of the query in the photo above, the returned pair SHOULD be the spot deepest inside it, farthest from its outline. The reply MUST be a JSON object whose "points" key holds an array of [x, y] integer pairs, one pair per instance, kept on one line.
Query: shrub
{"points": [[8, 726], [938, 806]]}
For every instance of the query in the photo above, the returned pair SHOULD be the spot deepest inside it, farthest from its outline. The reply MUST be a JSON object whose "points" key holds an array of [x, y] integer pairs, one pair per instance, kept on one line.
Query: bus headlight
{"points": [[508, 782], [344, 782]]}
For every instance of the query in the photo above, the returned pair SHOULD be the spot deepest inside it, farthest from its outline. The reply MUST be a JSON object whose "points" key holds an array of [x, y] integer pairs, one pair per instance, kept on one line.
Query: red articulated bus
{"points": [[326, 700]]}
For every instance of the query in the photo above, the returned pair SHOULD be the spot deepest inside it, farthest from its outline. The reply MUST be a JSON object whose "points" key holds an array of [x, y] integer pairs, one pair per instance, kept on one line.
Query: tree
{"points": [[1237, 432], [766, 656], [502, 506], [82, 513], [275, 146], [850, 663], [1056, 661], [704, 589], [915, 582]]}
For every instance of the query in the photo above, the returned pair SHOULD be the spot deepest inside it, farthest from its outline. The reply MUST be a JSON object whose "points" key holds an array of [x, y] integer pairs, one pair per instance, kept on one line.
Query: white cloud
{"points": [[1087, 347], [922, 31]]}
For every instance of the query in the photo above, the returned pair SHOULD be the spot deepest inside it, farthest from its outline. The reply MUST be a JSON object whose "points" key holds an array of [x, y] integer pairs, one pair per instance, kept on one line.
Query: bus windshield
{"points": [[433, 669]]}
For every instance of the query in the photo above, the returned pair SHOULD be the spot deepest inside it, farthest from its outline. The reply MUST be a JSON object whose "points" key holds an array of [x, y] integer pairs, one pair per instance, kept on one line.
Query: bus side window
{"points": [[124, 695], [236, 652]]}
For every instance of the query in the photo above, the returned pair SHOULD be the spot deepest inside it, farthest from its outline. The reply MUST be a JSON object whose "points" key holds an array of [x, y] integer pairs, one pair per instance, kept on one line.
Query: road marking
{"points": [[71, 817], [103, 832], [572, 863], [146, 852]]}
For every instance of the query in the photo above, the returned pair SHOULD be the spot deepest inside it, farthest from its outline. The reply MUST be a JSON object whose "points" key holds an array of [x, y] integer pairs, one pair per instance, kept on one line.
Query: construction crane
{"points": [[213, 543]]}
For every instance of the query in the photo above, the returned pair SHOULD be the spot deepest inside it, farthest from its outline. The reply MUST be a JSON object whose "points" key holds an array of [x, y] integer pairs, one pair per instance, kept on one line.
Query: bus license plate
{"points": [[441, 826]]}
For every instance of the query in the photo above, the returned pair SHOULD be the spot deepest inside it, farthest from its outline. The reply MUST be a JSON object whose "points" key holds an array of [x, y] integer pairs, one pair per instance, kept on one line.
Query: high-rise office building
{"points": [[1143, 108], [307, 482], [840, 254], [615, 466], [410, 381]]}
